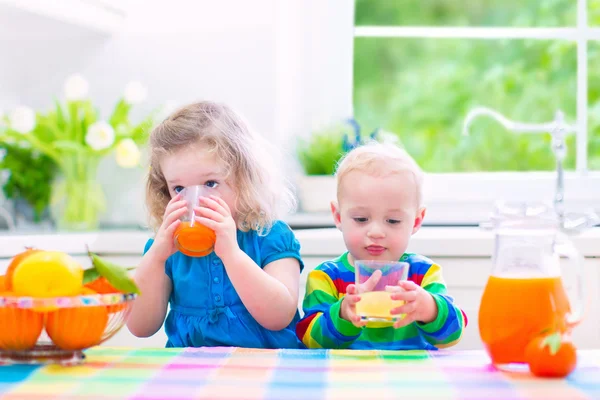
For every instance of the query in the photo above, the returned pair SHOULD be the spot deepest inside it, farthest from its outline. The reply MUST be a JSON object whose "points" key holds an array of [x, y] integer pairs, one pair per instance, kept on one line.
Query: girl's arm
{"points": [[150, 307], [270, 294]]}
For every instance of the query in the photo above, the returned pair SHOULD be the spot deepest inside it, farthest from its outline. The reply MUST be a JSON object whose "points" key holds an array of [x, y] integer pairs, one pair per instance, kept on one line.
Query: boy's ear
{"points": [[419, 219], [335, 211]]}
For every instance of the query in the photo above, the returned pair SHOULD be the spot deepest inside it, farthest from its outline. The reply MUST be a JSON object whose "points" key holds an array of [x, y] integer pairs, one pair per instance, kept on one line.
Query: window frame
{"points": [[467, 198]]}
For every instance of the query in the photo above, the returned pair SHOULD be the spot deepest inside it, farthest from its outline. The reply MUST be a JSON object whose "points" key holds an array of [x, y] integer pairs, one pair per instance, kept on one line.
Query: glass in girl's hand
{"points": [[191, 237]]}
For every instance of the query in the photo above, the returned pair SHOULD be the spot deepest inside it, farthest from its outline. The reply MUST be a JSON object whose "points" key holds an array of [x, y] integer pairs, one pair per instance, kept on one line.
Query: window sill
{"points": [[326, 242]]}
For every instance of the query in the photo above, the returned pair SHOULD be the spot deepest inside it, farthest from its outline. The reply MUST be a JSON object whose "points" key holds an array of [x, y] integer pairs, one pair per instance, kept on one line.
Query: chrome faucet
{"points": [[559, 130]]}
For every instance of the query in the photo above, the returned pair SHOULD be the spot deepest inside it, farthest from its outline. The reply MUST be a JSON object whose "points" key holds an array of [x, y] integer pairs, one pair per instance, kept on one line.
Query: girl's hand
{"points": [[214, 213], [164, 246], [419, 304]]}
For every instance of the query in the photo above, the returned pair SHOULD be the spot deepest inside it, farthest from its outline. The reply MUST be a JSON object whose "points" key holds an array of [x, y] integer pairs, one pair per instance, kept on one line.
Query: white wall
{"points": [[278, 63]]}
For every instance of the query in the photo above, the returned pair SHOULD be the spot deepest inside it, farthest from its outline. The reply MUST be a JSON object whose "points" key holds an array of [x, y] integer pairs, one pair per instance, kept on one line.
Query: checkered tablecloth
{"points": [[235, 373]]}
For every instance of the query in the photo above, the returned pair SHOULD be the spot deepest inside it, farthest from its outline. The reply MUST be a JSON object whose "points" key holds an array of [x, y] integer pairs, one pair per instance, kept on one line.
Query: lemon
{"points": [[48, 274]]}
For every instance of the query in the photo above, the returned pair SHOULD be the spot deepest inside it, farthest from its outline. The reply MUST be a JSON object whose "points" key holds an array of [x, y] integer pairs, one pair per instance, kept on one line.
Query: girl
{"points": [[245, 293]]}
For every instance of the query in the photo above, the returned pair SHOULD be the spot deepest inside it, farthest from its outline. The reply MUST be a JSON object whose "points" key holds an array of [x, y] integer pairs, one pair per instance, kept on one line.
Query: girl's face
{"points": [[194, 166]]}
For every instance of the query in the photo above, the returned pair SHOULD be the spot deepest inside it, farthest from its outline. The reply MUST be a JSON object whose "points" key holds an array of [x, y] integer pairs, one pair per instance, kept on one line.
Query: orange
{"points": [[21, 327], [103, 286], [3, 283], [47, 274], [14, 263], [551, 356], [77, 328]]}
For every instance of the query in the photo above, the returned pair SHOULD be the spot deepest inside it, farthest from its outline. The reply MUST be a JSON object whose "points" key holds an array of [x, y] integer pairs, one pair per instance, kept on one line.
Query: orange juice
{"points": [[377, 306], [514, 310], [196, 240]]}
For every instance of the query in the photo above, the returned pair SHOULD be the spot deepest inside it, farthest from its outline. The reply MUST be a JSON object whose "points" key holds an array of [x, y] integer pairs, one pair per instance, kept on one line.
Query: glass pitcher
{"points": [[525, 293]]}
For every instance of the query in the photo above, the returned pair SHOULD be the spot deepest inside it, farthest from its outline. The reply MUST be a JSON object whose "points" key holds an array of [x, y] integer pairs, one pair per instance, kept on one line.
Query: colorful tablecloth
{"points": [[235, 373]]}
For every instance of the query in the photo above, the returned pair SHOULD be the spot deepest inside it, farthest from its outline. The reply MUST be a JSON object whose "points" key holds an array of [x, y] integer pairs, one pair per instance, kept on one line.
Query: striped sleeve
{"points": [[446, 330], [322, 326]]}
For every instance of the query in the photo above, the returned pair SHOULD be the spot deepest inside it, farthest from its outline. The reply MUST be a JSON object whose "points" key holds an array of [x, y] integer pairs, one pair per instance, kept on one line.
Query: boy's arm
{"points": [[446, 330], [322, 326]]}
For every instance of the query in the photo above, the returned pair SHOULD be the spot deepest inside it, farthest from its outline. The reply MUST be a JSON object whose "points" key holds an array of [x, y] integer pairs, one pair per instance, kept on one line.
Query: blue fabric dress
{"points": [[205, 308]]}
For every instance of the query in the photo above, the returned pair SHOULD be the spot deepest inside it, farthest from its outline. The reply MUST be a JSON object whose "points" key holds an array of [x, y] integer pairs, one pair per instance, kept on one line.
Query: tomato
{"points": [[551, 356]]}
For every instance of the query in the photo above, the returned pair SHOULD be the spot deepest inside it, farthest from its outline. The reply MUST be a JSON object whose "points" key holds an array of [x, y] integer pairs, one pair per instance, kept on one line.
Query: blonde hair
{"points": [[378, 159], [261, 190]]}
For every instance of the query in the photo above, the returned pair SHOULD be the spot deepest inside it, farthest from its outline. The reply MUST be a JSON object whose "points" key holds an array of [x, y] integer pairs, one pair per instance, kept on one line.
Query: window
{"points": [[420, 67]]}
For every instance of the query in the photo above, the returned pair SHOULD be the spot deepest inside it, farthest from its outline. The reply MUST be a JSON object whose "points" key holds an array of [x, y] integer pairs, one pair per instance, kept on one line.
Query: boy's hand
{"points": [[419, 304], [348, 307]]}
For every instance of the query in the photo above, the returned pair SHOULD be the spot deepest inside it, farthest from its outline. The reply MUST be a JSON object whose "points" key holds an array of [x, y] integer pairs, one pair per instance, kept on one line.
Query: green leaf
{"points": [[116, 275], [120, 113], [90, 115], [69, 146], [90, 275], [61, 121], [75, 123], [553, 341]]}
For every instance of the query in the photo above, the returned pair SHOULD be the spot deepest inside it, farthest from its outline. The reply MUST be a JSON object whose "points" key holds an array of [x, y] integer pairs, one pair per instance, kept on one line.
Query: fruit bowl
{"points": [[58, 329]]}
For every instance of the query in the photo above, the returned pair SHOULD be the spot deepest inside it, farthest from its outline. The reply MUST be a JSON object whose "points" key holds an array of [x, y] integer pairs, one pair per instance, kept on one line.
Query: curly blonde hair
{"points": [[261, 190]]}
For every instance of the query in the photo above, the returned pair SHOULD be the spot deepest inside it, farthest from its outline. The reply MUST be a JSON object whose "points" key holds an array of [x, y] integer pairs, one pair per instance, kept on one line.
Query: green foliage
{"points": [[526, 13], [30, 178], [58, 143], [422, 89], [320, 153]]}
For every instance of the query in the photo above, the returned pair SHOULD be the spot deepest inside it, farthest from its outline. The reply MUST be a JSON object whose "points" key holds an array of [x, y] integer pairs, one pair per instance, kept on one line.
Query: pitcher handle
{"points": [[565, 248]]}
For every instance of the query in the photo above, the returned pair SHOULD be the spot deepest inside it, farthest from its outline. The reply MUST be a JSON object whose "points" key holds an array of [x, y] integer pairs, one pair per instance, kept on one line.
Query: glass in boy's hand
{"points": [[376, 302], [191, 237]]}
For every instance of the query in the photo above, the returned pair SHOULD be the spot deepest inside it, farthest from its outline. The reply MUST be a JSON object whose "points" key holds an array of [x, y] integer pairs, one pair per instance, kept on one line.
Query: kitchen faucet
{"points": [[559, 130]]}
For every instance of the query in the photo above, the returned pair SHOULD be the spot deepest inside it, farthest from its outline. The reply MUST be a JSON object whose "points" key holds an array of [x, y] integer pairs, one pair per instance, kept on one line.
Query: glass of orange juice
{"points": [[191, 237], [376, 303]]}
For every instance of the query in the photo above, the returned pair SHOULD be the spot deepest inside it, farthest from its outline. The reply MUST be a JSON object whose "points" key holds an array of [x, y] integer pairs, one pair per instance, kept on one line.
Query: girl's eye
{"points": [[178, 189], [360, 219], [393, 221], [211, 184]]}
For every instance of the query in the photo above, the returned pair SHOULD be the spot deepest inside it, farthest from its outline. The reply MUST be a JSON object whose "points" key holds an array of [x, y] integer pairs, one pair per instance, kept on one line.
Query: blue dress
{"points": [[205, 308]]}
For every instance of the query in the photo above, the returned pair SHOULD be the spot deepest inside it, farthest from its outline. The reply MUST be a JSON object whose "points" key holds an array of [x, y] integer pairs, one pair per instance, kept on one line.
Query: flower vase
{"points": [[77, 197]]}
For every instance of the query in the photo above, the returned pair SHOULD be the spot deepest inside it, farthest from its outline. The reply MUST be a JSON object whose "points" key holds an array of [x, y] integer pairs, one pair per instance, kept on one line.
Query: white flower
{"points": [[127, 153], [22, 119], [76, 88], [135, 92], [100, 135]]}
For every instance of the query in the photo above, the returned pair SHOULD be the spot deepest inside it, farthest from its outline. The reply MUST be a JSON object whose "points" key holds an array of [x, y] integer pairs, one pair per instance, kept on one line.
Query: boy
{"points": [[378, 208]]}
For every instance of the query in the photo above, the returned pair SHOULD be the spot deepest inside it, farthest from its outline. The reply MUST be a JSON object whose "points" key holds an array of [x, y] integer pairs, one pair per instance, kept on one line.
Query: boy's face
{"points": [[377, 215]]}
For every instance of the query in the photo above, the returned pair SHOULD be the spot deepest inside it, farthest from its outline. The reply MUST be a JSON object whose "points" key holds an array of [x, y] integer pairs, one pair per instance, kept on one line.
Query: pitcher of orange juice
{"points": [[526, 293]]}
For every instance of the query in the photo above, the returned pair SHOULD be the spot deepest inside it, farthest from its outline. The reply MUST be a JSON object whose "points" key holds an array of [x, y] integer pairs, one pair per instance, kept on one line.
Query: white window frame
{"points": [[467, 198]]}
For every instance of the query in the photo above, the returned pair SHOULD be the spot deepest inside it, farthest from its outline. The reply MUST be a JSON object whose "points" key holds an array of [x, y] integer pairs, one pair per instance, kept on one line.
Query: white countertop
{"points": [[431, 241]]}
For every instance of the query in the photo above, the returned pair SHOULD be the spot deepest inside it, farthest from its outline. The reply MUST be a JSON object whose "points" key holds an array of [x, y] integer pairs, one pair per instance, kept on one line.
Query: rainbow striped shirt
{"points": [[322, 326]]}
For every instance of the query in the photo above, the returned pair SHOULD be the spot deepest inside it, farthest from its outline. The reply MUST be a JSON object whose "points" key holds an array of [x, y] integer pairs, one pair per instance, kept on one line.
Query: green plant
{"points": [[320, 153], [30, 178], [422, 88], [75, 138]]}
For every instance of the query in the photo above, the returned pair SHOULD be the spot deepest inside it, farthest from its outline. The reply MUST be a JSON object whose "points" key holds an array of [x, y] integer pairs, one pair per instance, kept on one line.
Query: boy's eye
{"points": [[178, 189], [360, 219], [393, 221], [211, 184]]}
